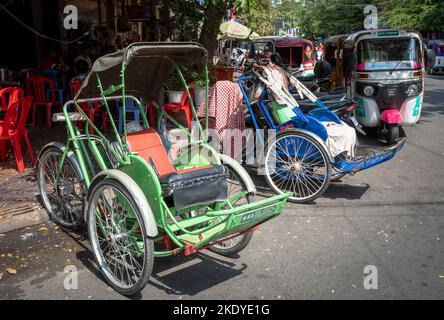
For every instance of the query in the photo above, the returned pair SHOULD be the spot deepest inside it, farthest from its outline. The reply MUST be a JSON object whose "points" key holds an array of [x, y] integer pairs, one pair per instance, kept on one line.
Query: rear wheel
{"points": [[61, 188], [236, 186], [296, 162], [118, 238]]}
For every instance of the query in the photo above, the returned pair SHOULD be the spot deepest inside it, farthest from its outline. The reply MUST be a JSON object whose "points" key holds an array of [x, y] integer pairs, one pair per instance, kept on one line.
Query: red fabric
{"points": [[391, 116], [225, 107]]}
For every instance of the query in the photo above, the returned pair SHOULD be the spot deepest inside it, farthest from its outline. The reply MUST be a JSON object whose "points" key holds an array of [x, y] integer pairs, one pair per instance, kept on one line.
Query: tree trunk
{"points": [[214, 14]]}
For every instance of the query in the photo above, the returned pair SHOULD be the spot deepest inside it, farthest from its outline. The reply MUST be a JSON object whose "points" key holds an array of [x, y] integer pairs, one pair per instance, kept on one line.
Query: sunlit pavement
{"points": [[390, 217]]}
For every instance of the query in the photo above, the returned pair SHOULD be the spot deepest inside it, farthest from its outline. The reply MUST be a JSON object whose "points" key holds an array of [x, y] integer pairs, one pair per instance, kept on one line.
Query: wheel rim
{"points": [[235, 187], [62, 193], [116, 237], [295, 164]]}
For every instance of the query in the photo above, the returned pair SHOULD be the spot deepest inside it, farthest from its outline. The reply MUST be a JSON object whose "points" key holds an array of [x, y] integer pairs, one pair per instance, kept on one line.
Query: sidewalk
{"points": [[19, 195]]}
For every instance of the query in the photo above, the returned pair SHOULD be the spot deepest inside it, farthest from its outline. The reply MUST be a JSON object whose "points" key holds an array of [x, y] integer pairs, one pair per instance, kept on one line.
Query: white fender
{"points": [[243, 174], [135, 191]]}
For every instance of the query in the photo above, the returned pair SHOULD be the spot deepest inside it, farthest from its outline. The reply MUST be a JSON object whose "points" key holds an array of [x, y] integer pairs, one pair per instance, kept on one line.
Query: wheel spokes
{"points": [[297, 165]]}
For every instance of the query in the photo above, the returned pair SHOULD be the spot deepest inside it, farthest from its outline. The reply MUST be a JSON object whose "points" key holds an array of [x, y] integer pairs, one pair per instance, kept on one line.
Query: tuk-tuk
{"points": [[295, 52], [437, 46], [333, 55], [385, 71]]}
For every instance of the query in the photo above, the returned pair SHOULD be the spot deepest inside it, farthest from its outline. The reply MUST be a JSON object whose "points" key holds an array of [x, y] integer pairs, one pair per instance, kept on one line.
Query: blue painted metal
{"points": [[130, 107], [312, 123]]}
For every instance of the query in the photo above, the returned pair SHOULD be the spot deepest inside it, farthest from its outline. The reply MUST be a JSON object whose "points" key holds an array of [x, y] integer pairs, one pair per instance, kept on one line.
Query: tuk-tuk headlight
{"points": [[369, 91], [412, 89]]}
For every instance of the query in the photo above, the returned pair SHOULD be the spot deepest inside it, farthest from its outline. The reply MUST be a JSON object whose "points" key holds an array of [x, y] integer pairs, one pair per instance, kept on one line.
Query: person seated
{"points": [[82, 63], [53, 60]]}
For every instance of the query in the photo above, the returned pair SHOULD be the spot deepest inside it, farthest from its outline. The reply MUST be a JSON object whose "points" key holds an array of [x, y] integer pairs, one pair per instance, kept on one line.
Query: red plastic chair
{"points": [[24, 75], [184, 105], [10, 95], [38, 87], [74, 87], [13, 128]]}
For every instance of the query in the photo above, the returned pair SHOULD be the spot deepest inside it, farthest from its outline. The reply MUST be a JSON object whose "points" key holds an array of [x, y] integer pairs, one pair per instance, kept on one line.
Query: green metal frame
{"points": [[199, 230]]}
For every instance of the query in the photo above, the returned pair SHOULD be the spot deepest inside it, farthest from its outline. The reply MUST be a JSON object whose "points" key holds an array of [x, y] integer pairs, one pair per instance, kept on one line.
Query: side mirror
{"points": [[349, 62], [430, 58]]}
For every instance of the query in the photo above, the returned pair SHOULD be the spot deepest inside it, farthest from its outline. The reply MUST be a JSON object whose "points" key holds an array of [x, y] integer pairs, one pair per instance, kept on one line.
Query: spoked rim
{"points": [[61, 191], [295, 163], [235, 187], [117, 237]]}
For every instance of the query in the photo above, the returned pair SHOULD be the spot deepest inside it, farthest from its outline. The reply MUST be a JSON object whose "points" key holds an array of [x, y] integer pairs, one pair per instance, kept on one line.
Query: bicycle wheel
{"points": [[296, 162], [122, 250], [236, 186], [61, 188]]}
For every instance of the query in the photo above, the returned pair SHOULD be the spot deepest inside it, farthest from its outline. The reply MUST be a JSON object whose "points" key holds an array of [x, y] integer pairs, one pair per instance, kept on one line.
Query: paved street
{"points": [[390, 216]]}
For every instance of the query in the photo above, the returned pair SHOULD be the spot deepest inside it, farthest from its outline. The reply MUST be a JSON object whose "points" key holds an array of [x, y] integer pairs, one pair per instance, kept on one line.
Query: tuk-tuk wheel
{"points": [[296, 162], [61, 191], [234, 245], [393, 134], [122, 250]]}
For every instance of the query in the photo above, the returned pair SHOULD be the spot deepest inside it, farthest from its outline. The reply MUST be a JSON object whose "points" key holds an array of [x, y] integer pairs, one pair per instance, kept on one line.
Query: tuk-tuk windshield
{"points": [[386, 54]]}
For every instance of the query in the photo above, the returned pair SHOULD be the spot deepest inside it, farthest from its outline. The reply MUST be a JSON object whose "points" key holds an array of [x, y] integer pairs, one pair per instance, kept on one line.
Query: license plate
{"points": [[255, 215], [391, 92]]}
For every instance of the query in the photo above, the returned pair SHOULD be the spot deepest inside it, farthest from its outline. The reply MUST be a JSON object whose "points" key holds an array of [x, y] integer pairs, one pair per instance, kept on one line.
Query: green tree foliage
{"points": [[327, 17], [258, 15], [413, 14]]}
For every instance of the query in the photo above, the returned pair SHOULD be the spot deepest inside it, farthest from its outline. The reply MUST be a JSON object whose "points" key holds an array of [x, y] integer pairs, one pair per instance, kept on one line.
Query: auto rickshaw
{"points": [[137, 203], [437, 46], [333, 55], [385, 71], [296, 52]]}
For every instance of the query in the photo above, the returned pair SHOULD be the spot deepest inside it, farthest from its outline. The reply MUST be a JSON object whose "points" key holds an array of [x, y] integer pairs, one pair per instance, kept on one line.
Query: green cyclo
{"points": [[136, 203]]}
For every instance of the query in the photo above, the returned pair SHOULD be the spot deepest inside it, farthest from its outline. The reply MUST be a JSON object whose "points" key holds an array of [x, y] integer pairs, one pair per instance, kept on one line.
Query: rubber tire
{"points": [[325, 155], [246, 237], [393, 134], [148, 242], [56, 219]]}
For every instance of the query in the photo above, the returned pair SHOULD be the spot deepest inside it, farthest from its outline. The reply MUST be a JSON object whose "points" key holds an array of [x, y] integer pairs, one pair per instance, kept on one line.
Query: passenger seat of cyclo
{"points": [[341, 137], [189, 187]]}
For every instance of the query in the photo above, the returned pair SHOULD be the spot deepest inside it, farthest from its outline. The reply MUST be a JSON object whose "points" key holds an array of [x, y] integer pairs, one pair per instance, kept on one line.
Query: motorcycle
{"points": [[237, 57]]}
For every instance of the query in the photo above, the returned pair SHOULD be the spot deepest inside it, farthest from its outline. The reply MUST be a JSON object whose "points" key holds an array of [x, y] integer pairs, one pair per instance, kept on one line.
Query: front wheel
{"points": [[296, 162], [393, 134], [118, 238]]}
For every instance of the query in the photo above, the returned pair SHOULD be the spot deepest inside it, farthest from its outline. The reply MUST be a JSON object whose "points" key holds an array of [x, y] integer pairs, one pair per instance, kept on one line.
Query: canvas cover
{"points": [[147, 66]]}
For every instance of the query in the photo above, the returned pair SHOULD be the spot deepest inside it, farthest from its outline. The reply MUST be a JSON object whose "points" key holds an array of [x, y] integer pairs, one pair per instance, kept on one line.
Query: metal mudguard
{"points": [[135, 191], [243, 174], [71, 155], [317, 138]]}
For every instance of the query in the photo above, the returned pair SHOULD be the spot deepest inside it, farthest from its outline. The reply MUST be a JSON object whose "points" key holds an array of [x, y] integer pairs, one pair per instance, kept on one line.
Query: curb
{"points": [[23, 220]]}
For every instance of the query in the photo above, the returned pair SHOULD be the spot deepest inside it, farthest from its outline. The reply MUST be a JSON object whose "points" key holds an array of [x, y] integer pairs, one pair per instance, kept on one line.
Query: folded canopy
{"points": [[148, 66]]}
